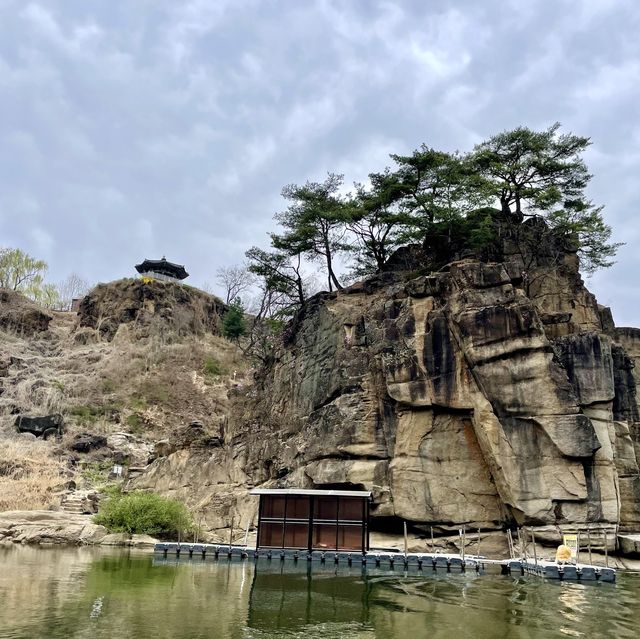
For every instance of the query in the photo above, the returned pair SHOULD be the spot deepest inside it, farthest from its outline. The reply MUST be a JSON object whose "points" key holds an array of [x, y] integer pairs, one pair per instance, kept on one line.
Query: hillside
{"points": [[134, 367]]}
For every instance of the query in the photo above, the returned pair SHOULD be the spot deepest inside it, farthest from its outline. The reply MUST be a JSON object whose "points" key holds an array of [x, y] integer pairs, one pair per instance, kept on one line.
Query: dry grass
{"points": [[30, 475], [146, 384], [147, 381]]}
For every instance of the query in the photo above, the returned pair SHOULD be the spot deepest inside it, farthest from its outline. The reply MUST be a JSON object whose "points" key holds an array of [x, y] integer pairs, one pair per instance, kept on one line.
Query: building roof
{"points": [[365, 494], [162, 266]]}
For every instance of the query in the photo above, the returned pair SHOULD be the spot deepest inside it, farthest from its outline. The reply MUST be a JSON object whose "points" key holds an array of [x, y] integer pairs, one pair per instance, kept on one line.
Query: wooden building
{"points": [[298, 519]]}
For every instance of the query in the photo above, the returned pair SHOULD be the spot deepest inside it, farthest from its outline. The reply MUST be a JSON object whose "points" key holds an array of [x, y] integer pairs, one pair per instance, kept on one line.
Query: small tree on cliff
{"points": [[281, 279], [314, 223], [235, 281], [233, 325], [376, 221], [436, 187], [69, 289], [532, 172]]}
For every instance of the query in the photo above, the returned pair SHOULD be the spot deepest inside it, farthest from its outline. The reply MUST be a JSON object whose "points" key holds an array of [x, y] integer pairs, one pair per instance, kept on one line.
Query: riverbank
{"points": [[49, 527], [62, 528]]}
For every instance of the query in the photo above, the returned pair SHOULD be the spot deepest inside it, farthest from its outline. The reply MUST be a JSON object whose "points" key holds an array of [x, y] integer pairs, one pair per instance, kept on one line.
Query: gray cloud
{"points": [[154, 127]]}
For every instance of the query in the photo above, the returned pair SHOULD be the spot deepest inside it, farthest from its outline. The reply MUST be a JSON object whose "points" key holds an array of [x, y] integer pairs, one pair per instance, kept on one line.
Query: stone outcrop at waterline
{"points": [[62, 528], [484, 394]]}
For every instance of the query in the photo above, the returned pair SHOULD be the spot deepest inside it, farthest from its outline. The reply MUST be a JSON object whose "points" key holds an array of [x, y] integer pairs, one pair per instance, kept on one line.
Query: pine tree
{"points": [[233, 325]]}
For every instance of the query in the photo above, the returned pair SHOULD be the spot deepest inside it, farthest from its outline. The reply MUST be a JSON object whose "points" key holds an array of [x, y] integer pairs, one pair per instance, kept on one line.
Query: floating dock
{"points": [[417, 561], [563, 572], [391, 560]]}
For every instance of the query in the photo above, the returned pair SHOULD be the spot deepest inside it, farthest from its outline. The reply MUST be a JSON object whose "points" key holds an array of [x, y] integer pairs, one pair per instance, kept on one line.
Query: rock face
{"points": [[484, 394], [151, 306]]}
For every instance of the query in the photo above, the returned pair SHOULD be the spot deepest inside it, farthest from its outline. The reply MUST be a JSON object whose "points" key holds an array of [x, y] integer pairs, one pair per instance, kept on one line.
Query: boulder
{"points": [[86, 442], [163, 448], [49, 527], [629, 545], [45, 426]]}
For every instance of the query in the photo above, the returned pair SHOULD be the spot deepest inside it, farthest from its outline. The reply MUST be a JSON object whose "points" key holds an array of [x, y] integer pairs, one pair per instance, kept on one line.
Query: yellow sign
{"points": [[571, 541]]}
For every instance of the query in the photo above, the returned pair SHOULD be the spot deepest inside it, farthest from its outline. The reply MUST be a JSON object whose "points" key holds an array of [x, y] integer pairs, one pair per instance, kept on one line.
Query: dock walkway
{"points": [[371, 558], [387, 559], [564, 572]]}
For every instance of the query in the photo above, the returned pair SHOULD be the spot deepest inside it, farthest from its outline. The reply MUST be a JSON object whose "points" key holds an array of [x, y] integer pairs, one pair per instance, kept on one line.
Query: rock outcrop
{"points": [[49, 527], [19, 315], [151, 306], [484, 394], [62, 528]]}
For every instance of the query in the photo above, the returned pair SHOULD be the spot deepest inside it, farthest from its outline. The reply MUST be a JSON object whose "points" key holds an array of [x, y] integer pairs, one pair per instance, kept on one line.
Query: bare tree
{"points": [[235, 280], [71, 288]]}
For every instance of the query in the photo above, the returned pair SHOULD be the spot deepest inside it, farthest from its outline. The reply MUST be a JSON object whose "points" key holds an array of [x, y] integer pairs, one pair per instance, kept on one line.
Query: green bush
{"points": [[134, 422], [233, 324], [212, 367], [144, 513], [96, 473], [86, 413]]}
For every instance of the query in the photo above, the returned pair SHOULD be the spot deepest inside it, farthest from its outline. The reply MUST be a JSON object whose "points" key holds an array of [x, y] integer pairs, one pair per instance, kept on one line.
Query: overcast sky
{"points": [[137, 128]]}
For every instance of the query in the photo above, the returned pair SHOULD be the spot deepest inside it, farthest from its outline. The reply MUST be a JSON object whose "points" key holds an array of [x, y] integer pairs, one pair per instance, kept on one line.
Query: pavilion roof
{"points": [[162, 266]]}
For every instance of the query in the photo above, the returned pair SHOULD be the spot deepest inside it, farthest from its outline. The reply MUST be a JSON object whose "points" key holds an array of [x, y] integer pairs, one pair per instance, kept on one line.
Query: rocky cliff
{"points": [[490, 392], [484, 394]]}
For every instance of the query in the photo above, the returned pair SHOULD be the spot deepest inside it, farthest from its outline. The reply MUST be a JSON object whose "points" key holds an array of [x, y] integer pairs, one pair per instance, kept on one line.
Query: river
{"points": [[96, 593]]}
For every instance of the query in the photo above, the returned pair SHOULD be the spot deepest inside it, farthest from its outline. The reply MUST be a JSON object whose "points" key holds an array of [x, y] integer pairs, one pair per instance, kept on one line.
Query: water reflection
{"points": [[78, 593]]}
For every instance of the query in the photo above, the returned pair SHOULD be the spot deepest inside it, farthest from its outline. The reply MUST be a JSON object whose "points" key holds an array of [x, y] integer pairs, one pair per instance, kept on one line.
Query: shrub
{"points": [[108, 385], [144, 513], [87, 413], [212, 367], [134, 422], [96, 473], [233, 324], [154, 391]]}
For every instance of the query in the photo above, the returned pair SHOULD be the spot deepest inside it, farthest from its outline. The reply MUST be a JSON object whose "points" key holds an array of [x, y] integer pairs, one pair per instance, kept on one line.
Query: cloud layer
{"points": [[136, 129]]}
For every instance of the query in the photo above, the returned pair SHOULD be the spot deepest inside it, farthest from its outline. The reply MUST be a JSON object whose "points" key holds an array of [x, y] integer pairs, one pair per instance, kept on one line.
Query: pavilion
{"points": [[162, 270]]}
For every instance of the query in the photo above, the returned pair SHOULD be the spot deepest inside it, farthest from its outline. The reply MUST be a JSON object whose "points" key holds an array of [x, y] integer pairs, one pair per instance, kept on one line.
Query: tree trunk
{"points": [[518, 214], [331, 275]]}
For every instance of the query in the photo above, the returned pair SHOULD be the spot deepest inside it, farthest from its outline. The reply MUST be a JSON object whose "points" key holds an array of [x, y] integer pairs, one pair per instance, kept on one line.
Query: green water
{"points": [[94, 594]]}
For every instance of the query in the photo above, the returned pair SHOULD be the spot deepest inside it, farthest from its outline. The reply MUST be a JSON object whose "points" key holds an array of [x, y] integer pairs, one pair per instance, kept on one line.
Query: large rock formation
{"points": [[485, 394], [151, 305]]}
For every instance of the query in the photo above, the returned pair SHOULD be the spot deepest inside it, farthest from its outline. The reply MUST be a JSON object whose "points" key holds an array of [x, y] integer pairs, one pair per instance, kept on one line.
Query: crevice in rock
{"points": [[339, 392], [516, 352]]}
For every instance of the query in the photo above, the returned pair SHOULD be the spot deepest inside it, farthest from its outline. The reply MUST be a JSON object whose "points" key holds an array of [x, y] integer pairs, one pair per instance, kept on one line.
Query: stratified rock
{"points": [[483, 395], [49, 527], [629, 545]]}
